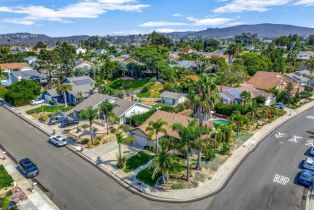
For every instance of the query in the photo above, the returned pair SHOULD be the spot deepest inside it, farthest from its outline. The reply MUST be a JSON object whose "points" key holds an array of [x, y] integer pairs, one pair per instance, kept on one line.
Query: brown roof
{"points": [[267, 80], [170, 118], [13, 65], [254, 92]]}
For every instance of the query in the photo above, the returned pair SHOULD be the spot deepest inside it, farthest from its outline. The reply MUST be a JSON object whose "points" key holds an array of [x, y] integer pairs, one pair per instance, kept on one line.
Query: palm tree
{"points": [[204, 96], [239, 120], [246, 97], [162, 163], [121, 139], [155, 128], [187, 135], [90, 114], [310, 65], [106, 108], [63, 88], [80, 96], [233, 50]]}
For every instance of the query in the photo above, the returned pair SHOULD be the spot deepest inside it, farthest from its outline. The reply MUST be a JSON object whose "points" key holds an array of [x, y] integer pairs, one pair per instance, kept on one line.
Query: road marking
{"points": [[283, 180], [295, 139], [279, 135], [310, 117], [309, 143]]}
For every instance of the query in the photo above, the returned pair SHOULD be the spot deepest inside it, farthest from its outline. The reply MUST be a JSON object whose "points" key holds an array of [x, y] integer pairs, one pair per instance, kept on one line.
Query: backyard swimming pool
{"points": [[221, 122]]}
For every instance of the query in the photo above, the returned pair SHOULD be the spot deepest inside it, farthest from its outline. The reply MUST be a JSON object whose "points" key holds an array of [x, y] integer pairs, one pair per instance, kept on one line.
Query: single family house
{"points": [[172, 98], [141, 135]]}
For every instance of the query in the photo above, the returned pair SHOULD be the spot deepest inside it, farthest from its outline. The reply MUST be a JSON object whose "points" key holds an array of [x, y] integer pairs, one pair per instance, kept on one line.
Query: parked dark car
{"points": [[56, 119], [68, 122], [280, 105], [306, 177], [29, 168]]}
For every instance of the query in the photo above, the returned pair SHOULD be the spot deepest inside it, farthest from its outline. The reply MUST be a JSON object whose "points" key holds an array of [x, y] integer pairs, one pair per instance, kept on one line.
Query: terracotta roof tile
{"points": [[267, 80], [13, 65]]}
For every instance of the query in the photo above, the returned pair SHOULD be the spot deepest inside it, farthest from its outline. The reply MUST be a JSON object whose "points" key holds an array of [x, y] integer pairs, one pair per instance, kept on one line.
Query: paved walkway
{"points": [[36, 200]]}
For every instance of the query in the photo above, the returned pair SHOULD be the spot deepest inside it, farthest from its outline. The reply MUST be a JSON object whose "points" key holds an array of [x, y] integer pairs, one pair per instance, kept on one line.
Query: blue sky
{"points": [[102, 17]]}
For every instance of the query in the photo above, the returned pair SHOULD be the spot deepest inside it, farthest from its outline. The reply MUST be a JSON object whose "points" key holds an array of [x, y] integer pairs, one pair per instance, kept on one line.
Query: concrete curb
{"points": [[216, 190]]}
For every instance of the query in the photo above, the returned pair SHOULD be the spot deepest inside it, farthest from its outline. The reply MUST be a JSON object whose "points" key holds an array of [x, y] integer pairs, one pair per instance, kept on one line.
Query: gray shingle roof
{"points": [[122, 106], [83, 84], [172, 95], [53, 93], [29, 74], [93, 100]]}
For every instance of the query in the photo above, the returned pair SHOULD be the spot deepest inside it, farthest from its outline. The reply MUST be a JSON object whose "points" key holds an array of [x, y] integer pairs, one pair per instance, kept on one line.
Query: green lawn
{"points": [[243, 137], [136, 161], [128, 85], [146, 176], [3, 91], [5, 179], [49, 109]]}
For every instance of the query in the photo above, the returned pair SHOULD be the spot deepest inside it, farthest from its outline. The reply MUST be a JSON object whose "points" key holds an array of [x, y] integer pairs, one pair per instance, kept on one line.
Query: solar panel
{"points": [[82, 82], [234, 93]]}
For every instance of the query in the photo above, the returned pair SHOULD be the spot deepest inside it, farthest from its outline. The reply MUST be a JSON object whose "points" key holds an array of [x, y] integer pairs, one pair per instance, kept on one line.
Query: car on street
{"points": [[308, 163], [68, 122], [58, 141], [280, 105], [37, 101], [312, 151], [306, 177], [29, 168], [56, 119]]}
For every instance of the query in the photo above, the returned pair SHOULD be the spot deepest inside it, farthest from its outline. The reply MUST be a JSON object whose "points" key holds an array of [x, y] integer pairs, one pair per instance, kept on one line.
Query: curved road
{"points": [[265, 180]]}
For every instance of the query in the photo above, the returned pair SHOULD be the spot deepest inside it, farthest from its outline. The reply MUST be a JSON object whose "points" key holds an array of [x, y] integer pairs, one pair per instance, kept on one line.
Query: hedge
{"points": [[228, 109]]}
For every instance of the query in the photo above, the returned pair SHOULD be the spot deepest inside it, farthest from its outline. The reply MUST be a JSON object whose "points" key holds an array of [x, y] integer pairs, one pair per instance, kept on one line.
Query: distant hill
{"points": [[32, 39], [262, 30]]}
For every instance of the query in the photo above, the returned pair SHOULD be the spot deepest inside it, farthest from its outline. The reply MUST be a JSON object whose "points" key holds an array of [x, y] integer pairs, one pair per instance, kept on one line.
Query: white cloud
{"points": [[170, 30], [209, 21], [177, 15], [161, 23], [305, 2], [250, 5], [81, 9]]}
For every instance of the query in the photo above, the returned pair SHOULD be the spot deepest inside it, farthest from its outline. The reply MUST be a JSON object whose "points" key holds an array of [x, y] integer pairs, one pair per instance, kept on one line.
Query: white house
{"points": [[172, 98], [305, 55], [124, 109], [80, 51]]}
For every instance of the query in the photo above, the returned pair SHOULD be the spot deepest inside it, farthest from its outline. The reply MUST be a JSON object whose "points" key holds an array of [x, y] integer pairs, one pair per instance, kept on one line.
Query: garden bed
{"points": [[49, 109], [136, 161]]}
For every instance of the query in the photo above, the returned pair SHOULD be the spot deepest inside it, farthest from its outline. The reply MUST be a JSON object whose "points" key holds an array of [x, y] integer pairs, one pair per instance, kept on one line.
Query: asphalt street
{"points": [[265, 180]]}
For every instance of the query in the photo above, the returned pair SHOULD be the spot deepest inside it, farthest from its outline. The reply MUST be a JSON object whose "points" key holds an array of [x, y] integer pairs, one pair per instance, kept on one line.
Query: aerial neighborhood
{"points": [[165, 115]]}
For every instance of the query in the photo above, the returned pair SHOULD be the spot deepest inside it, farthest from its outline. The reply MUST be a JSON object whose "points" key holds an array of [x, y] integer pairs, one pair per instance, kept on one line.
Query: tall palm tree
{"points": [[64, 88], [155, 128], [90, 114], [106, 108], [204, 96], [187, 135], [121, 139], [162, 164]]}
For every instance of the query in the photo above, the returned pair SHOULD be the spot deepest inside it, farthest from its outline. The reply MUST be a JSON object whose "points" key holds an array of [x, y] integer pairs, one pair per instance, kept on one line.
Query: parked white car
{"points": [[37, 101], [58, 141]]}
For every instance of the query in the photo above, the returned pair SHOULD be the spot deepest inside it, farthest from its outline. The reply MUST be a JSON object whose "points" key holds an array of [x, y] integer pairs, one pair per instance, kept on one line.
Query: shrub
{"points": [[225, 148], [305, 94], [139, 119], [228, 109], [43, 118], [66, 131], [209, 154], [113, 130], [84, 141], [6, 179], [177, 186], [84, 126]]}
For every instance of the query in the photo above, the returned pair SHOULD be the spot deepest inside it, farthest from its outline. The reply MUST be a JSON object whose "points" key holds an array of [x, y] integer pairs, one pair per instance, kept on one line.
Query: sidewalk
{"points": [[107, 163], [36, 200]]}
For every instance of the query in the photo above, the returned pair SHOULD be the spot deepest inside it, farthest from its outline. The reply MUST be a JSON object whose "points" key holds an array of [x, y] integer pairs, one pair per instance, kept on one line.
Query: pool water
{"points": [[221, 122]]}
